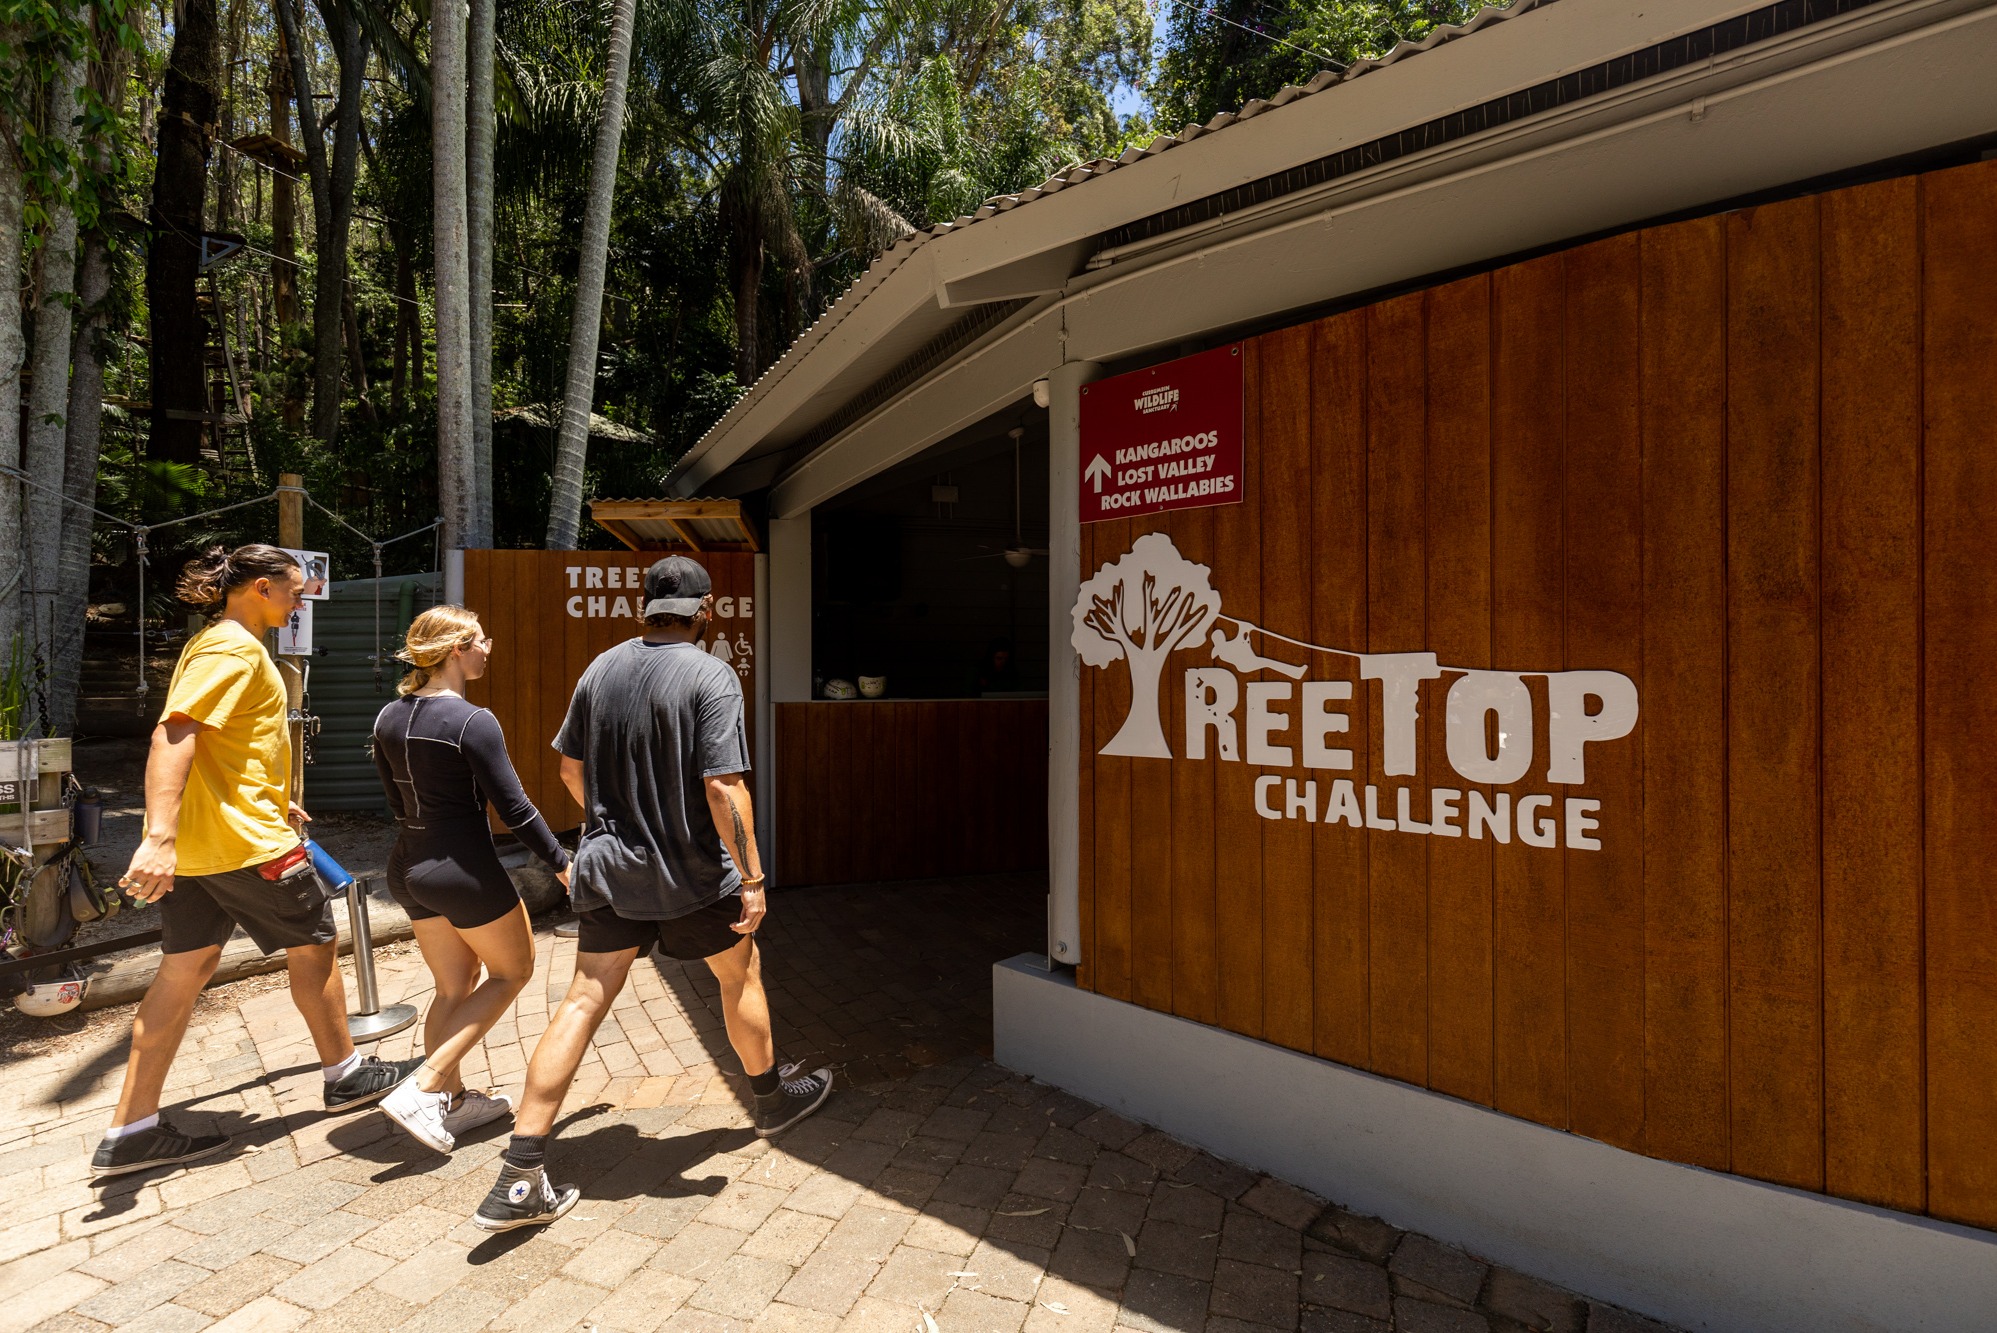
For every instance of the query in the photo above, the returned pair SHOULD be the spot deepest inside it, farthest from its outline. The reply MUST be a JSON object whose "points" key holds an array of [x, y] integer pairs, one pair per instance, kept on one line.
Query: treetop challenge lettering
{"points": [[1153, 602], [737, 650]]}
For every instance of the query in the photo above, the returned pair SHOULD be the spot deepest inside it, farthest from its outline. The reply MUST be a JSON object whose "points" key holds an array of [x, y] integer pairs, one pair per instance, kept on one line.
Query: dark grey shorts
{"points": [[203, 910], [702, 933]]}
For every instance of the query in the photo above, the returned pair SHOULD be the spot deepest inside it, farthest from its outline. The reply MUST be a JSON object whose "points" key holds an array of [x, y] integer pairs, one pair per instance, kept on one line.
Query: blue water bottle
{"points": [[331, 872]]}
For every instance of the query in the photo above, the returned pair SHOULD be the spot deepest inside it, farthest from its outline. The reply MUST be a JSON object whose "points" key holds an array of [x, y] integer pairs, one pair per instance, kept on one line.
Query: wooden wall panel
{"points": [[1604, 628], [1195, 877], [1288, 574], [1682, 406], [1871, 445], [1745, 461], [1396, 575], [1528, 570], [1341, 931], [1959, 345], [1114, 824], [542, 650], [1237, 545], [1151, 847], [1088, 818], [1775, 1032], [1458, 595]]}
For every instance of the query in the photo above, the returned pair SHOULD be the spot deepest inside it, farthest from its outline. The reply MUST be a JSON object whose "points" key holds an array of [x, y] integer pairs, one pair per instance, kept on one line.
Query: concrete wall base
{"points": [[1696, 1248]]}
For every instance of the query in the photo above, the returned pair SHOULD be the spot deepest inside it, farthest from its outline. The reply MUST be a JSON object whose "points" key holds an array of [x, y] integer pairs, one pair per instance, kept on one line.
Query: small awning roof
{"points": [[677, 525]]}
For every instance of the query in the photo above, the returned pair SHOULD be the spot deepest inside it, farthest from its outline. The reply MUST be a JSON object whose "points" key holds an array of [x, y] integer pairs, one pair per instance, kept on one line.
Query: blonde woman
{"points": [[442, 759]]}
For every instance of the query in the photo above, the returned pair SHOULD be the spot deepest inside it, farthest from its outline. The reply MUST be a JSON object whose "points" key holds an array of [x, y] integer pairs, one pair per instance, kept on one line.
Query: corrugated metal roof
{"points": [[898, 252]]}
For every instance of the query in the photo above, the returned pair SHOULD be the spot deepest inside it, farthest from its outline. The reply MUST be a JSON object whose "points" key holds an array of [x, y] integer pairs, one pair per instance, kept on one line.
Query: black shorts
{"points": [[202, 911], [701, 933], [452, 871]]}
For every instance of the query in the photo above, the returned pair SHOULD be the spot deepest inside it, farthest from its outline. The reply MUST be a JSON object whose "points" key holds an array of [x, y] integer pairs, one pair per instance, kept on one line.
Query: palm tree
{"points": [[456, 481], [332, 179], [579, 395]]}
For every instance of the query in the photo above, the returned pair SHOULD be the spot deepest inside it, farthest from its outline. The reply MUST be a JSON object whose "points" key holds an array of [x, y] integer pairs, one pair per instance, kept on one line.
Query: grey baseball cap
{"points": [[674, 587]]}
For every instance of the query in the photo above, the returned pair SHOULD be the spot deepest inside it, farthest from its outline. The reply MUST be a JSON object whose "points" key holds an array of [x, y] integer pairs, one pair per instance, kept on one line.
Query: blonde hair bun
{"points": [[432, 638]]}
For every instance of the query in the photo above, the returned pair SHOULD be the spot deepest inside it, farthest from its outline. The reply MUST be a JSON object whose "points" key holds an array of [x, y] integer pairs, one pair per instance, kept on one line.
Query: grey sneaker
{"points": [[523, 1199], [796, 1097], [162, 1145], [472, 1108]]}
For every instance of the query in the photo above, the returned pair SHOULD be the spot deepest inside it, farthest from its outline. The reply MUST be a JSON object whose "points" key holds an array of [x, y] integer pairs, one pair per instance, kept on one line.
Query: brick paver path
{"points": [[941, 1194]]}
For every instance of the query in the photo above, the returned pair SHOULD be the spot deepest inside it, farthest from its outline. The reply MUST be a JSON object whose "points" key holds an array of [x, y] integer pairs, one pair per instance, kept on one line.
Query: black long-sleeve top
{"points": [[442, 758]]}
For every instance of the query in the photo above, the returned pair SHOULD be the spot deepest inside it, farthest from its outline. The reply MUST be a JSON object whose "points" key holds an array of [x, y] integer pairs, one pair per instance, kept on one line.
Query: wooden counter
{"points": [[908, 789]]}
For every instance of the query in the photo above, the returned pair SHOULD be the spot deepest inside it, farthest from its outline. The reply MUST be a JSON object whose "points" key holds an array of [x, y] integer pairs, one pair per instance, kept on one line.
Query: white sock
{"points": [[136, 1127], [334, 1073]]}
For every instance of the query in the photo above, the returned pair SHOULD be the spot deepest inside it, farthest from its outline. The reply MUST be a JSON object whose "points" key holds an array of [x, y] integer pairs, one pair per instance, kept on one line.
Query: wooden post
{"points": [[291, 535]]}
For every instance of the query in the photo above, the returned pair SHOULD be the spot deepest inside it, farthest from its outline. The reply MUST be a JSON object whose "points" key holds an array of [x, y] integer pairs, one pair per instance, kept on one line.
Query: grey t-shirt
{"points": [[650, 722]]}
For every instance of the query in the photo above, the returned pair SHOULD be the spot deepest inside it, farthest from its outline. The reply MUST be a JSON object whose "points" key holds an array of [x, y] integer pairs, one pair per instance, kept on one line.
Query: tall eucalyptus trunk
{"points": [[572, 445], [455, 483], [12, 351], [284, 234], [480, 131], [84, 433], [173, 257], [48, 391]]}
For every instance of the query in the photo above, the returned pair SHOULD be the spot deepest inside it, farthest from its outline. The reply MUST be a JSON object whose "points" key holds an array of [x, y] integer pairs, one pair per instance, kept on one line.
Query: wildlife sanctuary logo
{"points": [[1153, 602], [1156, 400]]}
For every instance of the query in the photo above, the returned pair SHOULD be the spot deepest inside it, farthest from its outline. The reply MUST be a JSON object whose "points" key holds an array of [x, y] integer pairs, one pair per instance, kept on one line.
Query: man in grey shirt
{"points": [[654, 751]]}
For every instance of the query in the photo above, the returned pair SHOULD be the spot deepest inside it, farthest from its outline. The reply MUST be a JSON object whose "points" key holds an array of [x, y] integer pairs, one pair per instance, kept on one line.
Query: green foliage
{"points": [[1222, 54], [54, 176], [14, 677]]}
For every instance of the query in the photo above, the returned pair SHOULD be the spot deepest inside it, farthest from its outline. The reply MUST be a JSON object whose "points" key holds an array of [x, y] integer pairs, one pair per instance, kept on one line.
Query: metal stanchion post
{"points": [[371, 1022]]}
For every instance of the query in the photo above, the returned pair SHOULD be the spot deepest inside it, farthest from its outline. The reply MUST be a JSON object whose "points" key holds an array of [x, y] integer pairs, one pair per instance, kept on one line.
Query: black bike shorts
{"points": [[452, 871]]}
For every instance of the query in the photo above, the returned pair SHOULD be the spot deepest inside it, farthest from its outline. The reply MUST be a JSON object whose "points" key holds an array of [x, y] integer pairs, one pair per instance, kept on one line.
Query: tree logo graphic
{"points": [[1141, 609]]}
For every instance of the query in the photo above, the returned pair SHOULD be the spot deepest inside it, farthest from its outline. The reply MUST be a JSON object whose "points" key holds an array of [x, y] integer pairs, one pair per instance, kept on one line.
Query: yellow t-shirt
{"points": [[232, 813]]}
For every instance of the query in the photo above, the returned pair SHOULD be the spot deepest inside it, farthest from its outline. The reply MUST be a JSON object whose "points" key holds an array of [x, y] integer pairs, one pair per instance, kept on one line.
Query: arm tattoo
{"points": [[741, 836]]}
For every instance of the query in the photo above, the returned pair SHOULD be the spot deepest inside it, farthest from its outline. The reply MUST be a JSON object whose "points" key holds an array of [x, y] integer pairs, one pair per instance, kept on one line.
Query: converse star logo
{"points": [[518, 1191]]}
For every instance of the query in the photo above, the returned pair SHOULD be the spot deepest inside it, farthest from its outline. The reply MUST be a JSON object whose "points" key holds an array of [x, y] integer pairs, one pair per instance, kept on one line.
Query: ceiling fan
{"points": [[1019, 554]]}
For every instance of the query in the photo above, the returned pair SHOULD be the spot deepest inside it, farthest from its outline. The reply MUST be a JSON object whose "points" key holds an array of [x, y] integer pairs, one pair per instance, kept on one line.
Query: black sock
{"points": [[765, 1083], [527, 1151]]}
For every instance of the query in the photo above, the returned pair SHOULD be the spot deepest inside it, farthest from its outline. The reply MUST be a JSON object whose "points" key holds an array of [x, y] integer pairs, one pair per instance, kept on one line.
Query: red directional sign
{"points": [[1164, 438]]}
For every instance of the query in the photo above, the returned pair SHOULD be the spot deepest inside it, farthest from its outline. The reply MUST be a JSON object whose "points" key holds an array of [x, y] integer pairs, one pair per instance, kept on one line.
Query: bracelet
{"points": [[752, 883]]}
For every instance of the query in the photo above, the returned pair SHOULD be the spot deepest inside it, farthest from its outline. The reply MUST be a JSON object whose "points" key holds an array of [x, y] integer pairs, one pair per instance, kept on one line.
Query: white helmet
{"points": [[47, 999]]}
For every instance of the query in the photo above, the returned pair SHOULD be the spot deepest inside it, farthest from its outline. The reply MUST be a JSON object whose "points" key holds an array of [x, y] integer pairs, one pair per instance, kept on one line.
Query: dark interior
{"points": [[918, 589]]}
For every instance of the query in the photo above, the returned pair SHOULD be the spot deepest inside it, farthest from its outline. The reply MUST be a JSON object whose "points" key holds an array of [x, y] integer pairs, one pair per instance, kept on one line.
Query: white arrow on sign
{"points": [[1096, 472]]}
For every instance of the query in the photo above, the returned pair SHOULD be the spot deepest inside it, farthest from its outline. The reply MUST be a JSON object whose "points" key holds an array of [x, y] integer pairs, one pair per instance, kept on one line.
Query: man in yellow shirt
{"points": [[220, 851]]}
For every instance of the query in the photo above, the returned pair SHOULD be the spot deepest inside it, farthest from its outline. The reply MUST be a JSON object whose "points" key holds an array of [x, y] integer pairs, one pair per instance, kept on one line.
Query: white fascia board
{"points": [[1605, 165], [1545, 43]]}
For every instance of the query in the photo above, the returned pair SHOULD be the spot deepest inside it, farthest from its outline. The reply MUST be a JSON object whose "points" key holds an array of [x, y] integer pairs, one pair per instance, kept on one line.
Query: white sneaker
{"points": [[421, 1114], [472, 1108]]}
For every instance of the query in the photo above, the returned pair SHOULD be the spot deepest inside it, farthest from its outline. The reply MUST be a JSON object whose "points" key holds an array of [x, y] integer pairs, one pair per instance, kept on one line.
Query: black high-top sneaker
{"points": [[368, 1082], [523, 1197], [796, 1097], [162, 1145]]}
